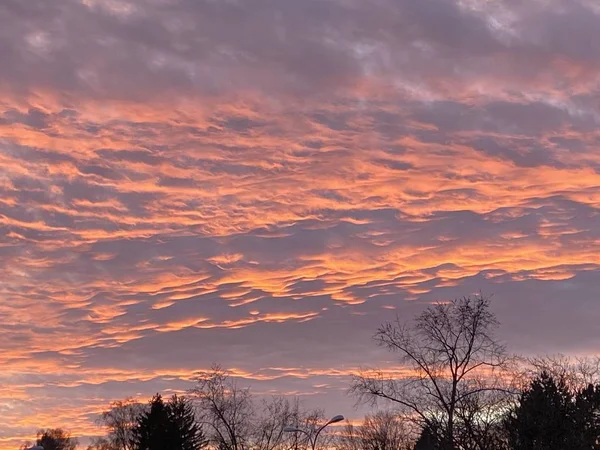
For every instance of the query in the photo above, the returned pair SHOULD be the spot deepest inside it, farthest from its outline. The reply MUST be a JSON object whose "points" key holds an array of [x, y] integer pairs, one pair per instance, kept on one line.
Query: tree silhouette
{"points": [[55, 439], [188, 434], [119, 421], [454, 359], [101, 444], [587, 417], [428, 440], [153, 430], [235, 421], [168, 426], [545, 418], [226, 408], [383, 430]]}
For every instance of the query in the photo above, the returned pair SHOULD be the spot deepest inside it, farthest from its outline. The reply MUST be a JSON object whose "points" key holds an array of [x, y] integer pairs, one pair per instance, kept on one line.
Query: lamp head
{"points": [[337, 418], [290, 429]]}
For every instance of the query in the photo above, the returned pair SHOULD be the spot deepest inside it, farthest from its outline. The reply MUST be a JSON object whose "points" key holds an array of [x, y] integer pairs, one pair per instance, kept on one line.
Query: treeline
{"points": [[459, 390], [217, 413]]}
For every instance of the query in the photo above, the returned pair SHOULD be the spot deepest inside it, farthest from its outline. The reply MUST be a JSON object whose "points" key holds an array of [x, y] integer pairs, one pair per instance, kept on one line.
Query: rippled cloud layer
{"points": [[260, 183]]}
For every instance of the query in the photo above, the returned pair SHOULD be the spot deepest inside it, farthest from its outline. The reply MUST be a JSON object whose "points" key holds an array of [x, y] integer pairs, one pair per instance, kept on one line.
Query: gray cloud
{"points": [[159, 48]]}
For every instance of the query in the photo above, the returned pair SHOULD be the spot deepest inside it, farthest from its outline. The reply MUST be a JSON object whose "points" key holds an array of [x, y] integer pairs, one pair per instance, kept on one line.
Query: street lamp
{"points": [[313, 441], [37, 447]]}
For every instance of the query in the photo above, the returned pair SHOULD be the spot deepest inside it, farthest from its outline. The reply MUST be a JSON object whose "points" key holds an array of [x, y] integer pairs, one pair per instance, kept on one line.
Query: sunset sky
{"points": [[261, 183]]}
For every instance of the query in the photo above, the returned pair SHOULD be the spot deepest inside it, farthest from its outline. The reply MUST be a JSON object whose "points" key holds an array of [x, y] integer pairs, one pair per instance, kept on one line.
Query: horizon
{"points": [[261, 184]]}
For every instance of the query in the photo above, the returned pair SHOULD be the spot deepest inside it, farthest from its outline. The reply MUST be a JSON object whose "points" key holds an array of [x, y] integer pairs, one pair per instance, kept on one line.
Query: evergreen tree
{"points": [[587, 417], [545, 418], [168, 426], [153, 430], [428, 440], [188, 434]]}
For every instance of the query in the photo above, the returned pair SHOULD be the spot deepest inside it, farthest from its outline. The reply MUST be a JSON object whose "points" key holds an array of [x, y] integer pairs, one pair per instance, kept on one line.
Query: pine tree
{"points": [[428, 440], [168, 426], [153, 430], [587, 417], [188, 435], [545, 418]]}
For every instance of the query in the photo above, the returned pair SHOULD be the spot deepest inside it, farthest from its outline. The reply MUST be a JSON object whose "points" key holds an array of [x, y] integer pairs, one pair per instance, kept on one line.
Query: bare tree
{"points": [[234, 420], [313, 423], [225, 408], [479, 418], [453, 357], [348, 438], [119, 420], [384, 430], [275, 414], [576, 372]]}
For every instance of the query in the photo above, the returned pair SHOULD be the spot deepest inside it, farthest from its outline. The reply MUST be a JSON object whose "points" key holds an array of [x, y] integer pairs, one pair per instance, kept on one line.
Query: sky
{"points": [[261, 183]]}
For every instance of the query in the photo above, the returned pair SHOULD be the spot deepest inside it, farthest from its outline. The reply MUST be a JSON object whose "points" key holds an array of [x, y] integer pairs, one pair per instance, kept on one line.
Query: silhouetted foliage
{"points": [[188, 434], [55, 439], [153, 430], [168, 426], [587, 417], [551, 417], [428, 440]]}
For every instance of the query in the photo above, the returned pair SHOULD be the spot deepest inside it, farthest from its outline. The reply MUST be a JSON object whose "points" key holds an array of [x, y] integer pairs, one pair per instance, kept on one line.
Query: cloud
{"points": [[262, 183], [303, 48]]}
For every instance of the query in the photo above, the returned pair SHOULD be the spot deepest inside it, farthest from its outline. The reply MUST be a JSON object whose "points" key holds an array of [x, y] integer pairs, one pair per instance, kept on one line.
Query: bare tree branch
{"points": [[457, 367]]}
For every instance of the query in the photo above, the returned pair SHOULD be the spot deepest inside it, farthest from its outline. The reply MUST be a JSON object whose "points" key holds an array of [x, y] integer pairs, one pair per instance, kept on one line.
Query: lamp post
{"points": [[311, 439]]}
